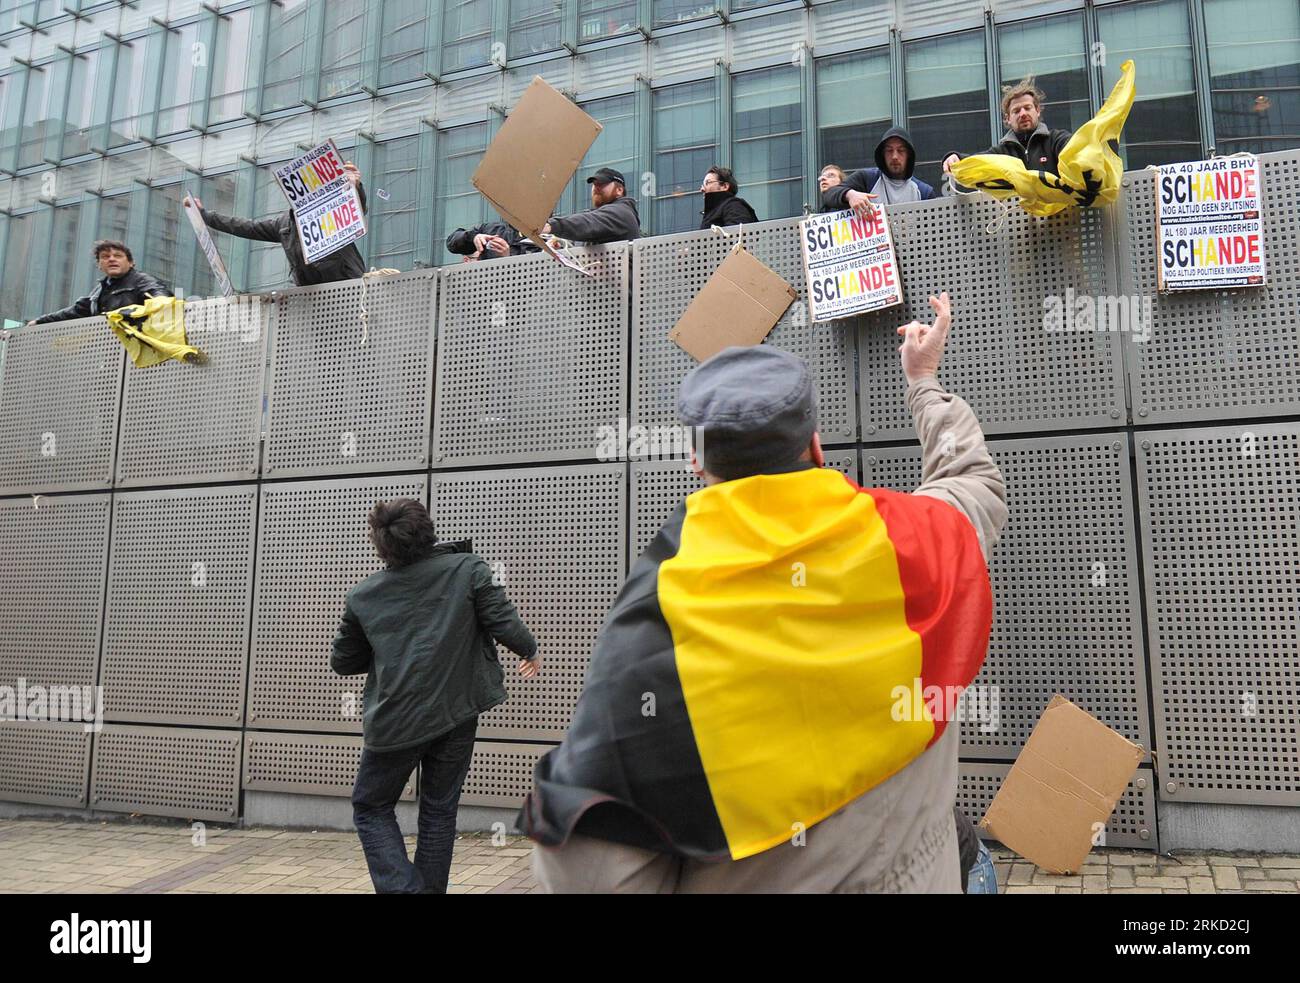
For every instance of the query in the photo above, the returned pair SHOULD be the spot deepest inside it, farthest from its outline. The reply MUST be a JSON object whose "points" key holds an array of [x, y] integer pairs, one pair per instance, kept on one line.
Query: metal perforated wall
{"points": [[53, 552], [657, 487], [312, 548], [1065, 594], [351, 373], [1001, 356], [667, 273], [555, 538], [167, 771], [179, 557], [59, 389], [501, 774], [1221, 551], [530, 358], [309, 764], [201, 420], [1216, 354], [1132, 824], [44, 762]]}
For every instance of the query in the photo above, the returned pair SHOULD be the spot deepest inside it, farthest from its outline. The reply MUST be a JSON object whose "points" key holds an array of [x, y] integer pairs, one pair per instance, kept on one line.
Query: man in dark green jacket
{"points": [[424, 629]]}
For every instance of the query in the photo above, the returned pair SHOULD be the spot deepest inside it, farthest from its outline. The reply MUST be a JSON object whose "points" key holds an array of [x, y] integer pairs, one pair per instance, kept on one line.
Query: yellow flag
{"points": [[152, 332], [1088, 169]]}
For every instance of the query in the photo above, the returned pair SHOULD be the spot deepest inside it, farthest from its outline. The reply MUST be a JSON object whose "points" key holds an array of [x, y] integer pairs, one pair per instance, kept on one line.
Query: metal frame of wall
{"points": [[1147, 571]]}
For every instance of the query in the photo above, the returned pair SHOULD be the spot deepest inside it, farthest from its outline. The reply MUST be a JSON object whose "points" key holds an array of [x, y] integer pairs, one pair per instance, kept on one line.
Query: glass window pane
{"points": [[767, 127], [402, 40], [1052, 51], [605, 18], [177, 79], [36, 116], [1163, 125], [466, 34], [668, 12], [162, 234], [126, 119], [342, 49], [947, 99], [853, 107], [1254, 74], [685, 147], [392, 223], [61, 288], [535, 26], [230, 66], [81, 104], [460, 206], [115, 218], [15, 278], [615, 147], [286, 55]]}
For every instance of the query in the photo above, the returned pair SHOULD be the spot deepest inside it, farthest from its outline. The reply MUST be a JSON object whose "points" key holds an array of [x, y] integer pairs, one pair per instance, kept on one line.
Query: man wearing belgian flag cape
{"points": [[741, 726]]}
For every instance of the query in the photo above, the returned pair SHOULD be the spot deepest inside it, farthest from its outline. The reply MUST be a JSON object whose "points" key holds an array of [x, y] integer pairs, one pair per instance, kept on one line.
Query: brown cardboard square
{"points": [[1067, 779], [739, 305], [534, 156]]}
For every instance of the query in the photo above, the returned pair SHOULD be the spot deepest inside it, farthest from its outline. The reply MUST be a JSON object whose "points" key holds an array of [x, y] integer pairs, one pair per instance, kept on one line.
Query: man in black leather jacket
{"points": [[122, 286]]}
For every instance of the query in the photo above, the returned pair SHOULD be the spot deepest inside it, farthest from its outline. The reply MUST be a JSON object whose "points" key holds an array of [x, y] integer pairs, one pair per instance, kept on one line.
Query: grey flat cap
{"points": [[755, 407]]}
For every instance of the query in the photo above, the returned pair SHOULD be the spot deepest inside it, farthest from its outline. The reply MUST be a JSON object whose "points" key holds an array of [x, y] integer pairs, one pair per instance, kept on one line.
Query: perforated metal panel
{"points": [[59, 392], [1132, 824], [179, 596], [312, 548], [1064, 576], [47, 763], [501, 774], [658, 486], [52, 563], [199, 421], [556, 540], [667, 273], [307, 764], [1001, 357], [1221, 551], [167, 771], [531, 358], [1217, 354], [350, 394]]}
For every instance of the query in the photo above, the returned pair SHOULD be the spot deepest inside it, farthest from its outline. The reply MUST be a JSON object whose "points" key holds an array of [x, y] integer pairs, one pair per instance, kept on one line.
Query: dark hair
{"points": [[725, 176], [103, 244], [401, 531]]}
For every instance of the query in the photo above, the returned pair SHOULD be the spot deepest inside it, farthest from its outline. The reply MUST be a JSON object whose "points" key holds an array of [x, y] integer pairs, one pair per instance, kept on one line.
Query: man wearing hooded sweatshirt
{"points": [[612, 217], [890, 182]]}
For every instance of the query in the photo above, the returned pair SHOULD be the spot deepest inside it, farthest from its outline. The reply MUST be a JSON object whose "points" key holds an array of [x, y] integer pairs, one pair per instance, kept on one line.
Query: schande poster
{"points": [[850, 264], [325, 206], [1209, 231]]}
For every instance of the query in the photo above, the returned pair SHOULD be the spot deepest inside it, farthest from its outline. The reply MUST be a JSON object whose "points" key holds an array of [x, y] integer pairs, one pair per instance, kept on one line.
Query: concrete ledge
{"points": [[1228, 828]]}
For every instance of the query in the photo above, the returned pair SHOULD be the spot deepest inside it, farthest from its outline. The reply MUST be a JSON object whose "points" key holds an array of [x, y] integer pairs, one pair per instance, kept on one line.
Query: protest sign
{"points": [[1209, 231], [208, 246], [326, 209], [849, 263], [739, 305], [533, 158]]}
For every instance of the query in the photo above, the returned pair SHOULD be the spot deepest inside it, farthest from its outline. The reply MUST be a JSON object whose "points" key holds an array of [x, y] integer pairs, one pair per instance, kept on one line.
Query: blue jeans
{"points": [[381, 777], [982, 879]]}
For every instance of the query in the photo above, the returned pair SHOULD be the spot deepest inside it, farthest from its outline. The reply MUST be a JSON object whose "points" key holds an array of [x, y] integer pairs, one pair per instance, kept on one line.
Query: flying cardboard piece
{"points": [[532, 159], [1062, 788], [739, 305]]}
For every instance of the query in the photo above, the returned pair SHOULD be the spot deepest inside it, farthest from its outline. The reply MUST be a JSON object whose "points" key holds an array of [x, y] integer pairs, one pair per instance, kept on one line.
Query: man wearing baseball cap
{"points": [[751, 719], [612, 217]]}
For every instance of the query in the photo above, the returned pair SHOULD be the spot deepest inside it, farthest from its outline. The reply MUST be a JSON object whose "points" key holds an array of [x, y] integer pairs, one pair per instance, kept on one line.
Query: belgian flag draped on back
{"points": [[747, 677]]}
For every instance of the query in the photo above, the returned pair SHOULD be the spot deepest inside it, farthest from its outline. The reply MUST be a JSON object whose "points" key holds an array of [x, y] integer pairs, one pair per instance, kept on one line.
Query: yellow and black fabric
{"points": [[748, 677]]}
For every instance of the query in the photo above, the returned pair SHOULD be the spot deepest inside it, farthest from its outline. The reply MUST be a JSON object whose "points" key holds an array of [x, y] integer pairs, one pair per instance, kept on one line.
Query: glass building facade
{"points": [[110, 112]]}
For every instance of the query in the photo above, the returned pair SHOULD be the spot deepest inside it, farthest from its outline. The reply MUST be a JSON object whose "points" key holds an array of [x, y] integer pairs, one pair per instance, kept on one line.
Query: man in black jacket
{"points": [[424, 629], [612, 217], [1028, 138], [342, 264], [721, 206], [122, 286], [489, 241], [890, 181]]}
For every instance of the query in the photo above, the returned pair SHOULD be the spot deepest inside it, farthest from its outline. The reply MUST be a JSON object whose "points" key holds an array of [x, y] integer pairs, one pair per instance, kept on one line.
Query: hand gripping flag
{"points": [[1089, 170], [750, 675], [152, 332]]}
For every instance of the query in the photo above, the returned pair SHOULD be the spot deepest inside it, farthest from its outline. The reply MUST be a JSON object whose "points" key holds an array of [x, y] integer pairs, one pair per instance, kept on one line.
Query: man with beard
{"points": [[890, 181], [1028, 138], [612, 217]]}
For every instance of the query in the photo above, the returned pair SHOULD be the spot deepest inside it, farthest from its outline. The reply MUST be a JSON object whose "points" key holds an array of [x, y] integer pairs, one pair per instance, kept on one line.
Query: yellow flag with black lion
{"points": [[1088, 168]]}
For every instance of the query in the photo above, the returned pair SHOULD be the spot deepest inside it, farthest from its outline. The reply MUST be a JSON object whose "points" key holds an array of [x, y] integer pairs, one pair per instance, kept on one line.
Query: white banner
{"points": [[326, 208], [1209, 230], [849, 264]]}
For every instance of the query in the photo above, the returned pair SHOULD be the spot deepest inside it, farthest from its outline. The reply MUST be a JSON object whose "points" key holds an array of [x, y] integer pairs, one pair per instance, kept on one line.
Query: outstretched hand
{"points": [[923, 344]]}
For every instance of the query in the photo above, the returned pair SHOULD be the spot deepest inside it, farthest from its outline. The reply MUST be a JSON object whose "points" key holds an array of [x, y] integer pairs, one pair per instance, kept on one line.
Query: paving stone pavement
{"points": [[50, 856]]}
